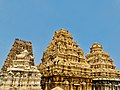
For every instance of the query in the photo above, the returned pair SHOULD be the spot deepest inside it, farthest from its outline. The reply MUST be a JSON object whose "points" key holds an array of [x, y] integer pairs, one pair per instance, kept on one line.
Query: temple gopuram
{"points": [[105, 77], [63, 67], [19, 72]]}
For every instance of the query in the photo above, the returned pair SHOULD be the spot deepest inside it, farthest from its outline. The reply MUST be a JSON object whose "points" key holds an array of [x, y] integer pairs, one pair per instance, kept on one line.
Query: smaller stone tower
{"points": [[103, 69]]}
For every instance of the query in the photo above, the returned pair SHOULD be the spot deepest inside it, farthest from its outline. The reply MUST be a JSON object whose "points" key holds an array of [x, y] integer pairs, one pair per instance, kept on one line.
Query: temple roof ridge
{"points": [[62, 32], [18, 47], [100, 61], [20, 40]]}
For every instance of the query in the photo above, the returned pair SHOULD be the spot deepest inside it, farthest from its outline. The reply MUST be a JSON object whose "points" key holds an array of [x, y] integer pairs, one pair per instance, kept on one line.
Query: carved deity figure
{"points": [[22, 54]]}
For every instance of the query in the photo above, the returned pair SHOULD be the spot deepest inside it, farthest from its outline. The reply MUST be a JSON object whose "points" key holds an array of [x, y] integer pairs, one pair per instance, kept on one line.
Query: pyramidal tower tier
{"points": [[18, 46], [105, 76], [63, 63], [100, 61], [19, 72]]}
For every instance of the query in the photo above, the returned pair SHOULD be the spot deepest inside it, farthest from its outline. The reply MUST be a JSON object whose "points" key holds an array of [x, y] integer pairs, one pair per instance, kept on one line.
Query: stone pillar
{"points": [[106, 87], [46, 87], [80, 86], [97, 87], [93, 86], [32, 82], [4, 83], [113, 87], [21, 82], [61, 84], [37, 82], [16, 81], [84, 86], [118, 87], [77, 88], [13, 79], [55, 84], [9, 82], [110, 87], [25, 82], [71, 86], [89, 86], [102, 87], [65, 87]]}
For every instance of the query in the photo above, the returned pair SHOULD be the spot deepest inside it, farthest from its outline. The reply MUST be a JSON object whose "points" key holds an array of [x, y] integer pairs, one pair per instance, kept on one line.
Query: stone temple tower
{"points": [[64, 65], [19, 72], [18, 46], [105, 76]]}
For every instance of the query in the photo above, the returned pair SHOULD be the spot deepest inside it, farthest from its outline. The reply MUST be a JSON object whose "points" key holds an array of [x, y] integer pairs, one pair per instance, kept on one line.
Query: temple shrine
{"points": [[63, 67], [105, 76], [19, 72]]}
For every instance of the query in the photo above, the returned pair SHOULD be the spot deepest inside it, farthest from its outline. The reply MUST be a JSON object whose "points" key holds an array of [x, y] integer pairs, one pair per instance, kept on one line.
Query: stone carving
{"points": [[21, 74], [23, 54], [63, 58], [18, 47], [63, 67], [57, 88], [103, 67]]}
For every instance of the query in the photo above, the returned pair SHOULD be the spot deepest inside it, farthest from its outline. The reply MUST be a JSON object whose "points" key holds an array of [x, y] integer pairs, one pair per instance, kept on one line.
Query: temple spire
{"points": [[96, 47], [101, 62], [63, 58]]}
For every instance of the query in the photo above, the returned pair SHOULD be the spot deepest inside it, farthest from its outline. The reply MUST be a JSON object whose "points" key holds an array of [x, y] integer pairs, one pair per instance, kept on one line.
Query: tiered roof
{"points": [[64, 57], [102, 65], [18, 47]]}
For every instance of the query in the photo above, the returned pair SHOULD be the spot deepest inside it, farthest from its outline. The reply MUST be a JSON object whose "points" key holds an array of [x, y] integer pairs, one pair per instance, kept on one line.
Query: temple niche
{"points": [[64, 65], [19, 72], [105, 76]]}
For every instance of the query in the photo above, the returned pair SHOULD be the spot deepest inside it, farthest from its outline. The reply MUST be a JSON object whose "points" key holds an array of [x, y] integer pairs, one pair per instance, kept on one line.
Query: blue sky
{"points": [[88, 21]]}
